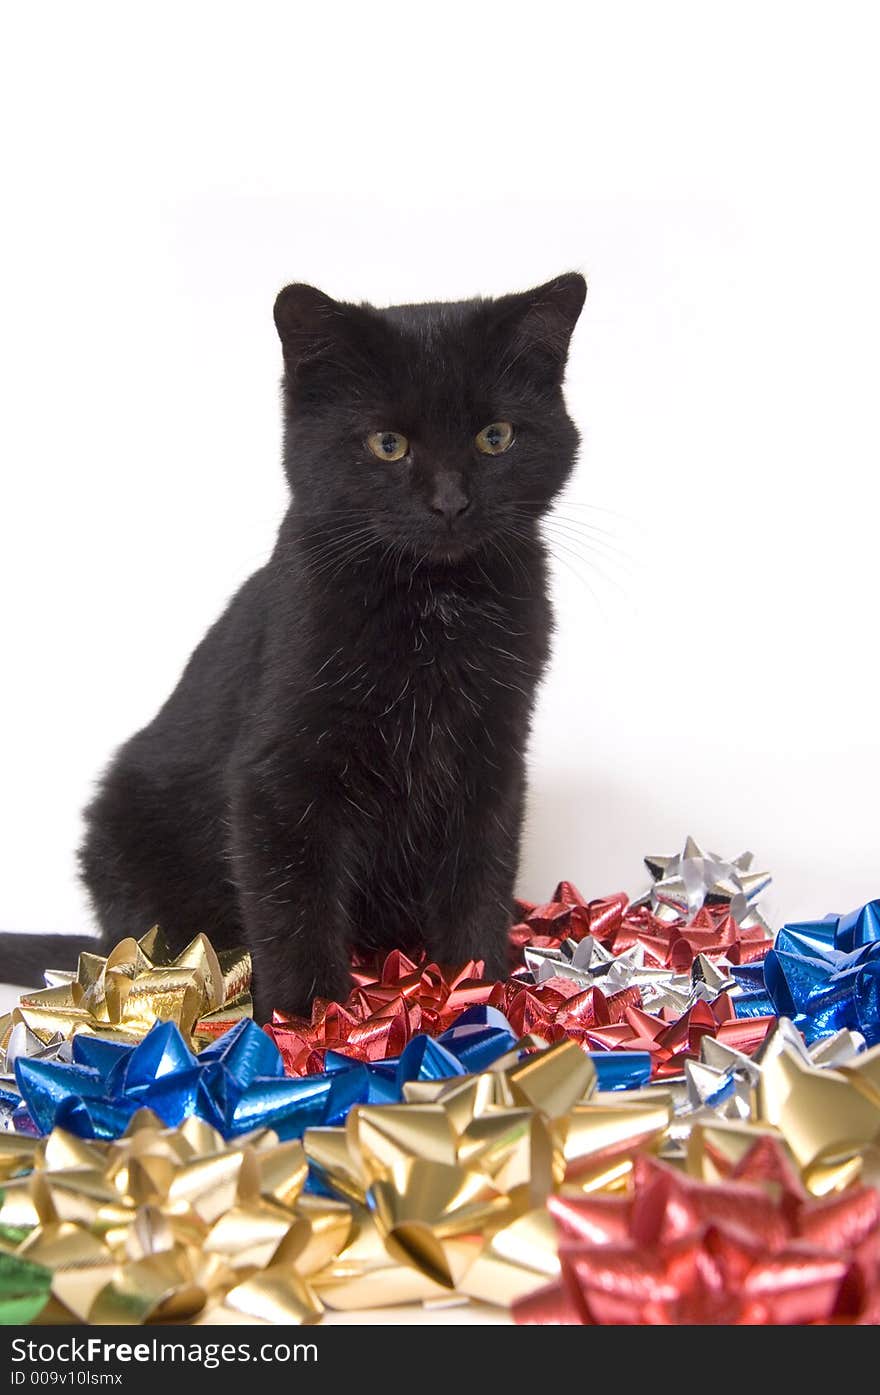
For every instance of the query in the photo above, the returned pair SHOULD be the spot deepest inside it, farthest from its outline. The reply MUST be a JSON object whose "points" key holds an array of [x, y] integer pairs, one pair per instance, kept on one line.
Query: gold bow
{"points": [[448, 1189], [168, 1224], [438, 1197], [827, 1120], [441, 1195], [138, 983]]}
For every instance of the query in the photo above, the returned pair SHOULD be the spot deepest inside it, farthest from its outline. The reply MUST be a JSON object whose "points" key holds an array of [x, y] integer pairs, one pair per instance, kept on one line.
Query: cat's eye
{"points": [[388, 445], [494, 439]]}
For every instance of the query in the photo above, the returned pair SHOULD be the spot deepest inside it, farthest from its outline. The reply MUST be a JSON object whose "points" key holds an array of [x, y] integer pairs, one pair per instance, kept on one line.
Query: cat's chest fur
{"points": [[444, 605], [430, 686], [455, 650]]}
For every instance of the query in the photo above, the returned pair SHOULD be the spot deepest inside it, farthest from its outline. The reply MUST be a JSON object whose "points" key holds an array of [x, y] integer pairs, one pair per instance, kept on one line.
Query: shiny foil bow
{"points": [[449, 1188], [391, 1003], [238, 1082], [825, 974], [588, 964], [583, 970], [162, 1225], [820, 1105], [118, 998], [442, 1194], [671, 940], [446, 1192], [693, 879], [557, 1009], [754, 1249]]}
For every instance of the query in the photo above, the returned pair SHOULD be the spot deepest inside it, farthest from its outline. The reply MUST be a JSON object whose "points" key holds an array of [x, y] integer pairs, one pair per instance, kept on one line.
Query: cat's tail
{"points": [[24, 958]]}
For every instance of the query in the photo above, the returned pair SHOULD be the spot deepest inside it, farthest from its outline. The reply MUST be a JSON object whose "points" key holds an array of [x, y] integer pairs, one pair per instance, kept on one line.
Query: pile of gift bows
{"points": [[663, 1115]]}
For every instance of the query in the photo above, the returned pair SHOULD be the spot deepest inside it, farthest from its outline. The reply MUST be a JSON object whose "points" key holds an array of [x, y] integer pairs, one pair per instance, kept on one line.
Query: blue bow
{"points": [[238, 1082], [823, 974]]}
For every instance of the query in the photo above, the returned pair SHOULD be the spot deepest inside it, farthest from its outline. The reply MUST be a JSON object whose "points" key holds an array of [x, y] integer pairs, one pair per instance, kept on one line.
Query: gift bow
{"points": [[455, 1179], [619, 925], [820, 1105], [389, 1005], [825, 974], [238, 1082], [164, 1224], [443, 1192], [140, 982], [754, 1249]]}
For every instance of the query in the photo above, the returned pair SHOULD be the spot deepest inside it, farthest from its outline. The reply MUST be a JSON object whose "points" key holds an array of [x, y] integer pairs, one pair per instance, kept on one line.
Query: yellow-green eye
{"points": [[494, 439], [388, 445]]}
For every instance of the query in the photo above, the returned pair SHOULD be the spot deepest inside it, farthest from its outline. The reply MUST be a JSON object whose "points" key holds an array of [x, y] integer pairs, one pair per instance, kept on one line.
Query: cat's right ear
{"points": [[305, 319]]}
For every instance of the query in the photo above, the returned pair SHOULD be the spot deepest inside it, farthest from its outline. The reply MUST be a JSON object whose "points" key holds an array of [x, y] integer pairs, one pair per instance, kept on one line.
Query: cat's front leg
{"points": [[293, 879], [470, 909]]}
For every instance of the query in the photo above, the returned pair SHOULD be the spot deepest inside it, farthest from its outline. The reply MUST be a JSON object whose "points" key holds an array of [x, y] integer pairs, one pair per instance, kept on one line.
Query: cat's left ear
{"points": [[538, 325]]}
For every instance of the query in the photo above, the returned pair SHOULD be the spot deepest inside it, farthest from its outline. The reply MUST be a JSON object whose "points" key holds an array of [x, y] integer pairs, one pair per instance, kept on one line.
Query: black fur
{"points": [[24, 958], [342, 761]]}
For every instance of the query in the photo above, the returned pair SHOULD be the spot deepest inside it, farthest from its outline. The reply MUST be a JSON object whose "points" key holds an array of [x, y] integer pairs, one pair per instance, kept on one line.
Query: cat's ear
{"points": [[537, 325], [307, 321]]}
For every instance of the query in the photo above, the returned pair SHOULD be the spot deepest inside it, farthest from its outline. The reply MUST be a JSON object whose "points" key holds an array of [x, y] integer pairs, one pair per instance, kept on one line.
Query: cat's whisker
{"points": [[554, 512], [584, 525], [614, 556], [355, 553], [343, 536], [594, 564], [573, 532], [589, 552], [332, 556], [564, 559], [517, 561], [565, 502], [599, 539], [331, 544]]}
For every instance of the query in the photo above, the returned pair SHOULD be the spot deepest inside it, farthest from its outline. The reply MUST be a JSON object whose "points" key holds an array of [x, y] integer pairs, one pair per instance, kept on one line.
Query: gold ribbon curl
{"points": [[140, 982]]}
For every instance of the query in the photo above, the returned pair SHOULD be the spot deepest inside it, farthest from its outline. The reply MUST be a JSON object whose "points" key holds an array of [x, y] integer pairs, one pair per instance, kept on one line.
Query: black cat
{"points": [[342, 761]]}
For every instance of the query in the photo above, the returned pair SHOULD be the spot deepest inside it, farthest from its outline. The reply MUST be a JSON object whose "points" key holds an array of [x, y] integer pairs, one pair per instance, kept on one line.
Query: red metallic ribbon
{"points": [[753, 1250], [619, 926], [395, 999]]}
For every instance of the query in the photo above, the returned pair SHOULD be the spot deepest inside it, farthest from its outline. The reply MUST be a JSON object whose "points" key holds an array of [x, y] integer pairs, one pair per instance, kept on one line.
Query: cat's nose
{"points": [[449, 499]]}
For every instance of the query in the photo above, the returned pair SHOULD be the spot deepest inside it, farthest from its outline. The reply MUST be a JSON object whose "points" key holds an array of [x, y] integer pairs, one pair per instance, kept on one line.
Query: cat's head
{"points": [[436, 429]]}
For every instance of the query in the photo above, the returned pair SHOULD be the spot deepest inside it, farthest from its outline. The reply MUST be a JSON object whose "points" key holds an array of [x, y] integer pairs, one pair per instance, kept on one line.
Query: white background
{"points": [[712, 169]]}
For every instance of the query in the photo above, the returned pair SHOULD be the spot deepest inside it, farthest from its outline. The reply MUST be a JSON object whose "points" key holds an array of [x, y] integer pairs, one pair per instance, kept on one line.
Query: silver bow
{"points": [[691, 879]]}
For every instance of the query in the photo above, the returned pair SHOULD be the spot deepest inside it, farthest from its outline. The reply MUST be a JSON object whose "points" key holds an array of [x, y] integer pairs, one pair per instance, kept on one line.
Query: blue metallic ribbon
{"points": [[751, 998], [823, 974], [238, 1082]]}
